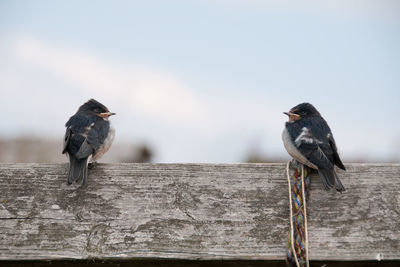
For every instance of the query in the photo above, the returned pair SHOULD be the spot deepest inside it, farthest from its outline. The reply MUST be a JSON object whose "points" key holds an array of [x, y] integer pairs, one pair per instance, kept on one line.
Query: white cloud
{"points": [[148, 92]]}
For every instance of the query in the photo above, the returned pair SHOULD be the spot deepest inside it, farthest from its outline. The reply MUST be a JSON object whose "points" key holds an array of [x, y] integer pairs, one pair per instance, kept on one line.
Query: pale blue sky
{"points": [[205, 81]]}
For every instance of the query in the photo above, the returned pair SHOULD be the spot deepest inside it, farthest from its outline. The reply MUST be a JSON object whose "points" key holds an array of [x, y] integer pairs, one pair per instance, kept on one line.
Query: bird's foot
{"points": [[91, 165], [295, 163]]}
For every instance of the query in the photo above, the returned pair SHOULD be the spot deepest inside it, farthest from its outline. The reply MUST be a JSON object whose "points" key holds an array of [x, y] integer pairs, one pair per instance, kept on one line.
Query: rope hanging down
{"points": [[297, 245]]}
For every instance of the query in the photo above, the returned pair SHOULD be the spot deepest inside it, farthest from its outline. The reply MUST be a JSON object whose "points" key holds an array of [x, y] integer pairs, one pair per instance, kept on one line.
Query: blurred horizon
{"points": [[201, 81]]}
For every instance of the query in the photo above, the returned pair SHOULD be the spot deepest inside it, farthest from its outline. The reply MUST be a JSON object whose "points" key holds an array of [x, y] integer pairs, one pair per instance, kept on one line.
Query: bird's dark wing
{"points": [[79, 129], [89, 144], [312, 142], [319, 154], [95, 135], [315, 154], [313, 138], [336, 158], [328, 145], [75, 125]]}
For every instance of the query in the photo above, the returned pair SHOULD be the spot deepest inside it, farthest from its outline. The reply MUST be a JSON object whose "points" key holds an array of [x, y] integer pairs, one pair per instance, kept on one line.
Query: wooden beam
{"points": [[193, 211]]}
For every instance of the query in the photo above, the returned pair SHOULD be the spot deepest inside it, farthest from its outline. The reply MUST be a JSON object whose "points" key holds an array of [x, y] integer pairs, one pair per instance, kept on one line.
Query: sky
{"points": [[205, 81]]}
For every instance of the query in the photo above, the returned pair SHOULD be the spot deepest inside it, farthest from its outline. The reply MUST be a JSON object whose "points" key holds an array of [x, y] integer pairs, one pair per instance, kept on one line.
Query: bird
{"points": [[309, 140], [88, 136]]}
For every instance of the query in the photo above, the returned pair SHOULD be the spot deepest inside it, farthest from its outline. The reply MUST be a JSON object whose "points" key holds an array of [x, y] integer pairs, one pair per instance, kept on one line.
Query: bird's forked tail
{"points": [[77, 170], [330, 179]]}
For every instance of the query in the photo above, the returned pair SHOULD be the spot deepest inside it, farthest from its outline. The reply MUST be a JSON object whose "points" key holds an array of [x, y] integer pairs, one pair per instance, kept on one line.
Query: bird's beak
{"points": [[106, 114], [292, 116]]}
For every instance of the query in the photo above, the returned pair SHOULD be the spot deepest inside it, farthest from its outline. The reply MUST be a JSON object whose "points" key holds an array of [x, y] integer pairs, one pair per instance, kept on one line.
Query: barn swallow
{"points": [[309, 140], [88, 136]]}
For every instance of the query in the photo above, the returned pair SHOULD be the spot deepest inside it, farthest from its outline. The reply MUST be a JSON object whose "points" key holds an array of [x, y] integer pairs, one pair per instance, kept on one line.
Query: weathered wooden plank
{"points": [[148, 262], [193, 211]]}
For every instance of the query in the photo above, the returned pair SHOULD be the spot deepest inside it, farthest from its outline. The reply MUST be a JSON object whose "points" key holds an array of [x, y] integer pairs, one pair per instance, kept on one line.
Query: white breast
{"points": [[293, 151], [106, 145]]}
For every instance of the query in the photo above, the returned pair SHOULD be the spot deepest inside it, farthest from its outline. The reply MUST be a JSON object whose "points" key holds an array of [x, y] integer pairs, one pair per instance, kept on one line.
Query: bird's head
{"points": [[302, 110], [96, 108]]}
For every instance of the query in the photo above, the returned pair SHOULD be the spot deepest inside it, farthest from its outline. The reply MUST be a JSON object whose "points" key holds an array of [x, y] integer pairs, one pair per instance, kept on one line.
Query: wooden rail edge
{"points": [[193, 211]]}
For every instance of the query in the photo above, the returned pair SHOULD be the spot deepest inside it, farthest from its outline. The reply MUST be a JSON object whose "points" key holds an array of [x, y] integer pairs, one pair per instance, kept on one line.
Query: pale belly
{"points": [[293, 151], [105, 146]]}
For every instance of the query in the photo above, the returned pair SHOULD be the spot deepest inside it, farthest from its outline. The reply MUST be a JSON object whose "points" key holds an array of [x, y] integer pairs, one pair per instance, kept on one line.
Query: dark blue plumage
{"points": [[308, 139], [88, 135]]}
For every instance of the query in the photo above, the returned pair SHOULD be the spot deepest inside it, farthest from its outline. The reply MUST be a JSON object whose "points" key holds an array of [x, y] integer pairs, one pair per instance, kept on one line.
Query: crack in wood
{"points": [[32, 218]]}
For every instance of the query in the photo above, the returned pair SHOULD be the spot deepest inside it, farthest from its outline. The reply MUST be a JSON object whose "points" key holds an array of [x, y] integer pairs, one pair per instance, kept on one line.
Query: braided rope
{"points": [[297, 253], [305, 210]]}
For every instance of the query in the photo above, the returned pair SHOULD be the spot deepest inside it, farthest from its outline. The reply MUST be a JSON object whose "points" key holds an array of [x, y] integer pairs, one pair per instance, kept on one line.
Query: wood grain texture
{"points": [[193, 211]]}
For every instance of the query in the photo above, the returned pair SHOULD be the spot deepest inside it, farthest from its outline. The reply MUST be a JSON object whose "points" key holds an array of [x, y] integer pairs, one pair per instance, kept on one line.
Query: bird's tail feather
{"points": [[77, 170], [330, 179], [327, 177], [338, 184]]}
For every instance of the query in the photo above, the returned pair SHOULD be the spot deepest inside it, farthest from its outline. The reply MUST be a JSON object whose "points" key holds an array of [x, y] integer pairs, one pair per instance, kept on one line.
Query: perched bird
{"points": [[88, 136], [309, 140]]}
